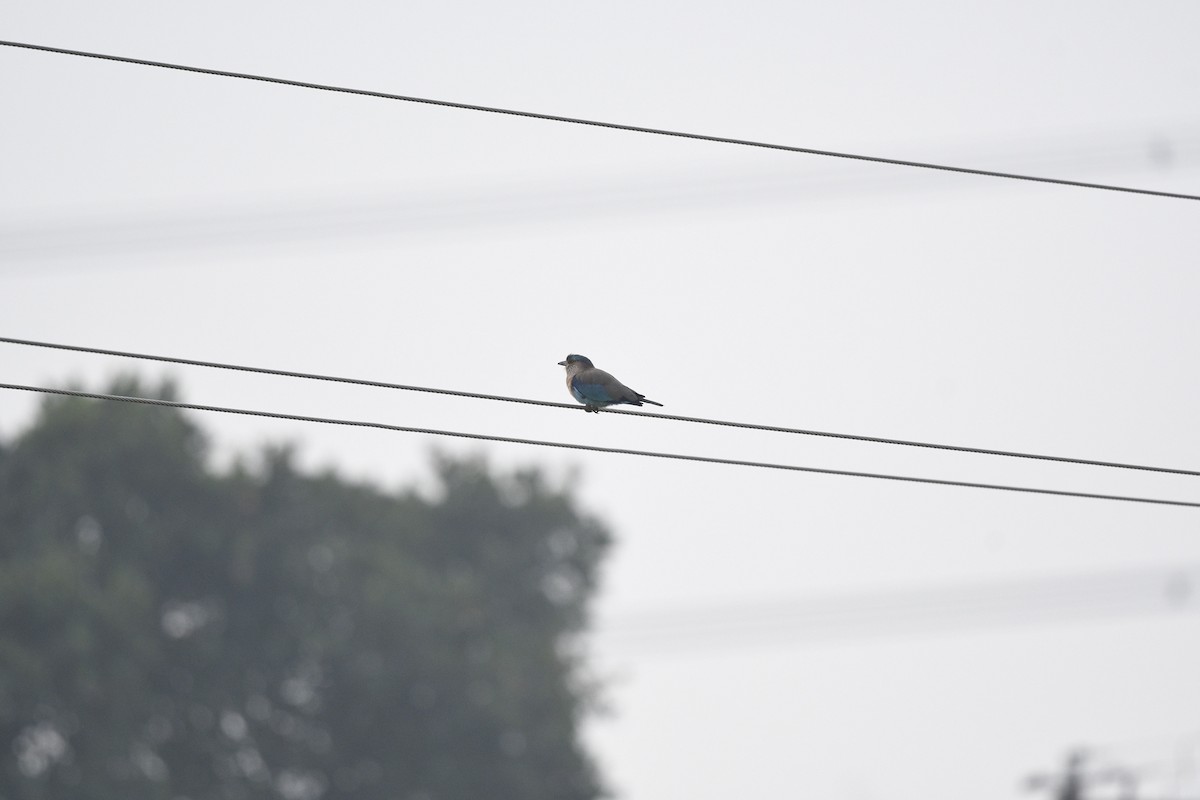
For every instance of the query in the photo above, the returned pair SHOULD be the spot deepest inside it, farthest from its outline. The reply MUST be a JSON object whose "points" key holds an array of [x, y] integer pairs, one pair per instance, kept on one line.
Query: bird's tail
{"points": [[651, 402]]}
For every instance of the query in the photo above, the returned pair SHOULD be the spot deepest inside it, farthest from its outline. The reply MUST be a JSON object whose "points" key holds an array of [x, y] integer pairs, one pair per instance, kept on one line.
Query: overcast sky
{"points": [[204, 217]]}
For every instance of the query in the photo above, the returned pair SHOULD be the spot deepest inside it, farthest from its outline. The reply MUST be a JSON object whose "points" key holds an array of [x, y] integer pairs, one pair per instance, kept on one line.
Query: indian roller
{"points": [[595, 388]]}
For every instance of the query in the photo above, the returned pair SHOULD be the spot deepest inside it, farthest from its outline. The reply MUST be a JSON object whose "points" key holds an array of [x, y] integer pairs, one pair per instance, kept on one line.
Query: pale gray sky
{"points": [[296, 229]]}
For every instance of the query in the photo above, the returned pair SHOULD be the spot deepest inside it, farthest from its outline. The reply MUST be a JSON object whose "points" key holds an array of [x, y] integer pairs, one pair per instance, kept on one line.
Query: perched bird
{"points": [[595, 388]]}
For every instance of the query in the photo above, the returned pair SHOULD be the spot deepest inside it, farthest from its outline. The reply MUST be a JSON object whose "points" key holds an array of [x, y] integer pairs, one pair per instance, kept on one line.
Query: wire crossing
{"points": [[574, 407], [594, 448], [602, 124]]}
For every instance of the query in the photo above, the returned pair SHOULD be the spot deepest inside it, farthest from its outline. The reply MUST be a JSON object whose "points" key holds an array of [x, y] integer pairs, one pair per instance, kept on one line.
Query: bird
{"points": [[595, 388]]}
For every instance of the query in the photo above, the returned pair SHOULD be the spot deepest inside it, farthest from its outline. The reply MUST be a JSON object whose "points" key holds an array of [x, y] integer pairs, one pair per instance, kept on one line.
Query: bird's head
{"points": [[574, 359]]}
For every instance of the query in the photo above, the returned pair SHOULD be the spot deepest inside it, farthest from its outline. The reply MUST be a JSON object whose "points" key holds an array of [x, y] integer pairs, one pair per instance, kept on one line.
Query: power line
{"points": [[422, 212], [908, 611], [600, 123], [595, 448], [575, 407], [286, 373]]}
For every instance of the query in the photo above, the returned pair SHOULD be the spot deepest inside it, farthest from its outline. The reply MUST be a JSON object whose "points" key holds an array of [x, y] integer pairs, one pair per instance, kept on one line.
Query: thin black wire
{"points": [[574, 407], [602, 124], [285, 373], [594, 448]]}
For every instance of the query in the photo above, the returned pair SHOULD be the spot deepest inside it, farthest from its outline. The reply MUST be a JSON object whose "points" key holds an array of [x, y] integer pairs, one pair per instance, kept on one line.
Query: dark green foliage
{"points": [[170, 632]]}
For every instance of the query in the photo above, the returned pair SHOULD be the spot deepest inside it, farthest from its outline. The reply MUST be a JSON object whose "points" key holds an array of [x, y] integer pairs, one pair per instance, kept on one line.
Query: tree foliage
{"points": [[169, 631]]}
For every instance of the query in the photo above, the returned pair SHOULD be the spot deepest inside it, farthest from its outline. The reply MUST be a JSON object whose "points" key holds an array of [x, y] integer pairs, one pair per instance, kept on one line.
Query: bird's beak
{"points": [[562, 363]]}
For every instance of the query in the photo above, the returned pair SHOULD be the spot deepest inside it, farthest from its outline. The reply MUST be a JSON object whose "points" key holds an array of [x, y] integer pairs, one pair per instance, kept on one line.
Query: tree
{"points": [[169, 631]]}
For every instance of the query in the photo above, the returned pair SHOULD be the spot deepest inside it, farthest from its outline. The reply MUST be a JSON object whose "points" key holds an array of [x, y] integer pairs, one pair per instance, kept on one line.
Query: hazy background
{"points": [[211, 218]]}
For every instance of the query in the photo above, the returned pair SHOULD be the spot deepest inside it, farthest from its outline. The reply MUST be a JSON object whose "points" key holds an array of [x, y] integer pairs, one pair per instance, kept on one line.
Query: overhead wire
{"points": [[189, 232], [575, 407], [601, 123], [909, 611], [595, 448]]}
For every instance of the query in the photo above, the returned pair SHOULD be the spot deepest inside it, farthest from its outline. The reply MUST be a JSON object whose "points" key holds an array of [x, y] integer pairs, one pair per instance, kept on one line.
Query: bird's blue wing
{"points": [[590, 393]]}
